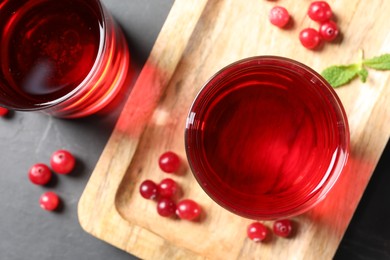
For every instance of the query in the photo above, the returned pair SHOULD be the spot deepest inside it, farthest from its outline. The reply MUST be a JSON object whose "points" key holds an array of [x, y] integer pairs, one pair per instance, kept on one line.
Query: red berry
{"points": [[49, 201], [320, 11], [282, 227], [279, 16], [309, 38], [329, 31], [39, 174], [3, 111], [148, 189], [166, 207], [169, 162], [257, 231], [62, 162], [188, 209], [167, 188]]}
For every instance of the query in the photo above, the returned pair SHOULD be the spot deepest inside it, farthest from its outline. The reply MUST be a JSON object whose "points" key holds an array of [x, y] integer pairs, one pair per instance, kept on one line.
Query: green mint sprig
{"points": [[342, 74]]}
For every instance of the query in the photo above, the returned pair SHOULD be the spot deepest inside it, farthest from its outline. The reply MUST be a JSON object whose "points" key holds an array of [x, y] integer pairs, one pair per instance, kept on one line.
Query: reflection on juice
{"points": [[54, 51], [266, 140]]}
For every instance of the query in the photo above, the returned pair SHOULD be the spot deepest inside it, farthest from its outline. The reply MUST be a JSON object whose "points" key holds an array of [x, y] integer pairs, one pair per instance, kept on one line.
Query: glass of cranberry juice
{"points": [[267, 138], [67, 58]]}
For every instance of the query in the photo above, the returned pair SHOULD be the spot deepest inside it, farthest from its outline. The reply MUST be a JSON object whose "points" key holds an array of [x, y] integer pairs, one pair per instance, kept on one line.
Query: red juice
{"points": [[65, 57], [267, 138]]}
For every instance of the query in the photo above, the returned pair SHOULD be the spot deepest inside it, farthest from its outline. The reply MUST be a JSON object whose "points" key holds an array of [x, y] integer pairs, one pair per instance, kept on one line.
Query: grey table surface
{"points": [[28, 232]]}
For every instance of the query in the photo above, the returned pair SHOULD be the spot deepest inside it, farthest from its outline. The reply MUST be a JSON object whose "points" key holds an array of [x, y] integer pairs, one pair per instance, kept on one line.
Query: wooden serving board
{"points": [[198, 38]]}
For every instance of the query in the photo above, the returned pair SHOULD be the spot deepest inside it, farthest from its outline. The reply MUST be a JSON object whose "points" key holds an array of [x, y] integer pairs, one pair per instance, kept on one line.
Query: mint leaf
{"points": [[363, 74], [340, 75], [343, 74], [379, 63]]}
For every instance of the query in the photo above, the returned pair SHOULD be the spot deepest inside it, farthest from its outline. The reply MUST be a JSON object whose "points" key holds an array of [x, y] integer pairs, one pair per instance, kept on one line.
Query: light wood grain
{"points": [[199, 38]]}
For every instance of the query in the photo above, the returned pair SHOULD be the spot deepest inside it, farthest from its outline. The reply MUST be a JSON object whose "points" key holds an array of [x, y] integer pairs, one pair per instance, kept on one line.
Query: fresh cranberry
{"points": [[39, 174], [329, 31], [320, 11], [282, 227], [49, 201], [166, 207], [3, 111], [310, 38], [148, 189], [167, 188], [169, 162], [279, 16], [62, 162], [188, 209], [257, 232]]}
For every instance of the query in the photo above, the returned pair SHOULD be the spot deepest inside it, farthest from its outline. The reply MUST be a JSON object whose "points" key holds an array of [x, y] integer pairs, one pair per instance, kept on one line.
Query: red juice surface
{"points": [[263, 141], [48, 49]]}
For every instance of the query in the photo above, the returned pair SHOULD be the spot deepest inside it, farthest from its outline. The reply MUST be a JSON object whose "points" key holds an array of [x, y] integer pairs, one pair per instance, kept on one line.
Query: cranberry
{"points": [[188, 209], [62, 162], [329, 31], [166, 207], [148, 189], [282, 227], [309, 38], [167, 188], [279, 16], [257, 231], [3, 111], [320, 11], [39, 174], [169, 162], [49, 201]]}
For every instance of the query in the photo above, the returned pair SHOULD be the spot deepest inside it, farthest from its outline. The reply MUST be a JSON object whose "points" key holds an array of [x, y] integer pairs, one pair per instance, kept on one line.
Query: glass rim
{"points": [[103, 29], [206, 93]]}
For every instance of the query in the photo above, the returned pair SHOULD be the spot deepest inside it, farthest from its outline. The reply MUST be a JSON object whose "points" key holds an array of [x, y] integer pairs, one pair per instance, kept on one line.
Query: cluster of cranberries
{"points": [[61, 162], [318, 11], [167, 191], [258, 232]]}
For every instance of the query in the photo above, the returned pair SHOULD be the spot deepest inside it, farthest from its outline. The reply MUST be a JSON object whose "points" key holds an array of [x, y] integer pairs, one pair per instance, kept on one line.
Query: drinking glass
{"points": [[67, 58], [267, 137]]}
